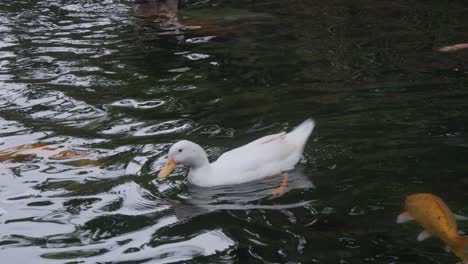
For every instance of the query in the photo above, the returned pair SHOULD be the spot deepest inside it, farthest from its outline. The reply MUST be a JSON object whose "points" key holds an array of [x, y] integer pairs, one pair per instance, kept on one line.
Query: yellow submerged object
{"points": [[437, 220]]}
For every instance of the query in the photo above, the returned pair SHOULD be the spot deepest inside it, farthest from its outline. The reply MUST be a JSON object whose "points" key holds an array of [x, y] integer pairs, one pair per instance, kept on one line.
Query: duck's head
{"points": [[186, 153]]}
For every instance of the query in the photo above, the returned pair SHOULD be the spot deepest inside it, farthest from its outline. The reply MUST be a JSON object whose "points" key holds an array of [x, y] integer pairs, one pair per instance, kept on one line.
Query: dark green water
{"points": [[92, 77]]}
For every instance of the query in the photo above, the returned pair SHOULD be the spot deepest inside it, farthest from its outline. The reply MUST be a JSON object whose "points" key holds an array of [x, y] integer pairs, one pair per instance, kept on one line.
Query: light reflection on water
{"points": [[92, 95]]}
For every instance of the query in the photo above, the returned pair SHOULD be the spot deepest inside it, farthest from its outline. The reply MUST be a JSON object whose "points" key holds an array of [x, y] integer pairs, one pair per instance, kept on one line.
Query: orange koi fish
{"points": [[434, 215], [36, 150]]}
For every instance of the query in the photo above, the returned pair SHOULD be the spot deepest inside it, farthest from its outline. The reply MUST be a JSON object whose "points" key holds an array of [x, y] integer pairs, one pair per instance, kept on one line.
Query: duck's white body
{"points": [[267, 156]]}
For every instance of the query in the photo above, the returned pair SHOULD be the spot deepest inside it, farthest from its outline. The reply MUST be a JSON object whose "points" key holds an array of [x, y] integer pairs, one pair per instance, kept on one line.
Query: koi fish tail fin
{"points": [[464, 242], [461, 248]]}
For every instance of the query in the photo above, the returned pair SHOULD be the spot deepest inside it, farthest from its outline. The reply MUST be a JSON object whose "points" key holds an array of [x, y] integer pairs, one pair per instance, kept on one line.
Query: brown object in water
{"points": [[68, 154], [15, 154], [153, 8], [206, 27], [85, 162]]}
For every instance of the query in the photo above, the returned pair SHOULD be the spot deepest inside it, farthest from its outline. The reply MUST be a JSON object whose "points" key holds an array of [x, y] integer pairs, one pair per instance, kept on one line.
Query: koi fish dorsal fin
{"points": [[404, 217], [447, 212], [424, 235]]}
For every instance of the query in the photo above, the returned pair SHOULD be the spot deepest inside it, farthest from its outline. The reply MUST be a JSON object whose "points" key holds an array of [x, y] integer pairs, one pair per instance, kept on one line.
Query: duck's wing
{"points": [[282, 150], [267, 139], [268, 149]]}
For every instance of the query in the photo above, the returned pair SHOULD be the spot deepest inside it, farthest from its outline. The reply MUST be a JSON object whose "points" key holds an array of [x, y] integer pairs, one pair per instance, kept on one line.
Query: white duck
{"points": [[268, 156]]}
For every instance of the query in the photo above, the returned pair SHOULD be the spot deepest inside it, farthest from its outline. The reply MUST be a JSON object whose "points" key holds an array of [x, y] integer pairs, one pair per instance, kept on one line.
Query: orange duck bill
{"points": [[168, 168]]}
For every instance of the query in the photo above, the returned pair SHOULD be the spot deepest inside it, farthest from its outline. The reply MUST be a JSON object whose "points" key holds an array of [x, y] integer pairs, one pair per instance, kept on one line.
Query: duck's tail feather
{"points": [[299, 135]]}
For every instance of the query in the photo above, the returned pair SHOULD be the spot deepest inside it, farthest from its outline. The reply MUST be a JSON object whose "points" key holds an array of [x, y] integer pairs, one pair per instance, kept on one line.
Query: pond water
{"points": [[95, 93]]}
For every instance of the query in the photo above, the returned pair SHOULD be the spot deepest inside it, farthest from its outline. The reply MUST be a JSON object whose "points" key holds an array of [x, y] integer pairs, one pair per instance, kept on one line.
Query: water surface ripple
{"points": [[93, 93]]}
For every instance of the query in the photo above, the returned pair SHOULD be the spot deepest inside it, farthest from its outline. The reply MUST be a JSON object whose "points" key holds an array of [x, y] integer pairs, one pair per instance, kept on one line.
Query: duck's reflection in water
{"points": [[247, 196]]}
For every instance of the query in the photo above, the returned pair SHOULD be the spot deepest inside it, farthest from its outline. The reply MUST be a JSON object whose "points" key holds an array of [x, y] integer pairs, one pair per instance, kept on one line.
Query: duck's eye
{"points": [[180, 150]]}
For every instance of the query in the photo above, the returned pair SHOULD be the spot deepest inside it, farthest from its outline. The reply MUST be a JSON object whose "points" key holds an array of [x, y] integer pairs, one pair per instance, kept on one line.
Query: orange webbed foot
{"points": [[282, 188]]}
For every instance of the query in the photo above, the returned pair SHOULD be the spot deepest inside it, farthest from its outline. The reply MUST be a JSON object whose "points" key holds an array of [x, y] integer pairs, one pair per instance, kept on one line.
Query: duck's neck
{"points": [[200, 162], [201, 173], [200, 167]]}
